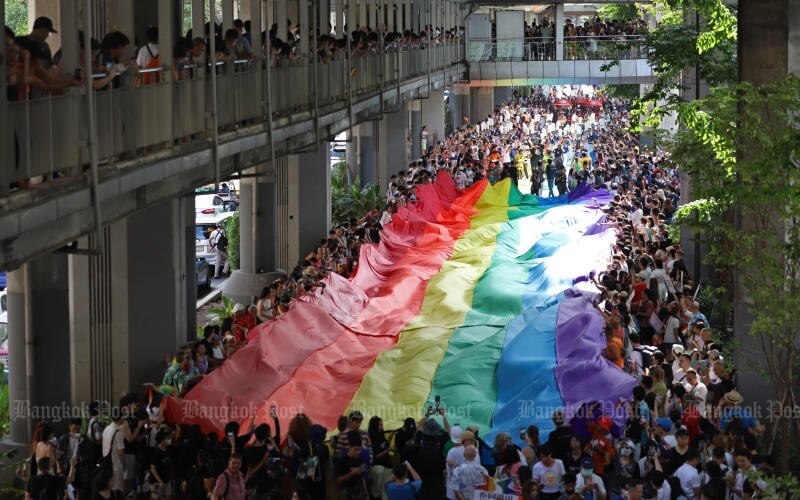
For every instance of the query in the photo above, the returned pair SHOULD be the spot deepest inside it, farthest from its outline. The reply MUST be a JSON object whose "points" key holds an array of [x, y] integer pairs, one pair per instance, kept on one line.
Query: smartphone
{"points": [[522, 433], [437, 400]]}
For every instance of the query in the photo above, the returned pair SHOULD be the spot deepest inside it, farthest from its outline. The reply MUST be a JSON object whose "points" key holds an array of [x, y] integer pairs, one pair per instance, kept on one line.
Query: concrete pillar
{"points": [[38, 305], [198, 19], [481, 103], [350, 19], [339, 24], [315, 209], [306, 30], [559, 29], [227, 15], [324, 16], [121, 17], [280, 18], [287, 196], [244, 9], [415, 121], [392, 146], [763, 57], [257, 221], [432, 110]]}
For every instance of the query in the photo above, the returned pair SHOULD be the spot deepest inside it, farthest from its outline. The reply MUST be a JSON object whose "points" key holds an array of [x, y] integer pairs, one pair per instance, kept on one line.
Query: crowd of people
{"points": [[686, 433], [32, 71]]}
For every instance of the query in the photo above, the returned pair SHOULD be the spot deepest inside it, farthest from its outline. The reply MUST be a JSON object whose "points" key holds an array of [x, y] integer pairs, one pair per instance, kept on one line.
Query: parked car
{"points": [[204, 225], [212, 204], [202, 273]]}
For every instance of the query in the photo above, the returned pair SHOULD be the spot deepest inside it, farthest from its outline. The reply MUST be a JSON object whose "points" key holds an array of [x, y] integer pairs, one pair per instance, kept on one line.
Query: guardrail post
{"points": [[559, 32], [7, 154]]}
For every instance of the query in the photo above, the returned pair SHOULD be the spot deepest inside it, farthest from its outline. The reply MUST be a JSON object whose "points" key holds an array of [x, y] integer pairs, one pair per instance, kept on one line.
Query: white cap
{"points": [[238, 308], [455, 434]]}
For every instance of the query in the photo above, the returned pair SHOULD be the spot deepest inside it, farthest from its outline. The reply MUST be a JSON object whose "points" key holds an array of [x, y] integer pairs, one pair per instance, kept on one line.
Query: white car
{"points": [[204, 225], [214, 204]]}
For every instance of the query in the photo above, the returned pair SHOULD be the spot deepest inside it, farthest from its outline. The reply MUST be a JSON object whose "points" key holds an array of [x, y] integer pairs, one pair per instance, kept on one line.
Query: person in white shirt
{"points": [[456, 457], [150, 49], [114, 445], [688, 476], [696, 391], [548, 472], [739, 484], [589, 485]]}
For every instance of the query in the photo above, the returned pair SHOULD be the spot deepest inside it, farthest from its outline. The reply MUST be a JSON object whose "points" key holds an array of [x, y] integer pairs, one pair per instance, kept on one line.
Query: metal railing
{"points": [[49, 135], [544, 48]]}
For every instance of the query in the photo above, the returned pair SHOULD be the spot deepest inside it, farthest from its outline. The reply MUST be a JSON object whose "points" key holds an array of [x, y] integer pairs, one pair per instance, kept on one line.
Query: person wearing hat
{"points": [[354, 421], [42, 78], [732, 410], [243, 322], [455, 456], [589, 484]]}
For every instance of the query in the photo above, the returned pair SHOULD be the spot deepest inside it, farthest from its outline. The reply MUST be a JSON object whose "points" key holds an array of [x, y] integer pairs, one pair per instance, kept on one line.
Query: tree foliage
{"points": [[351, 200], [741, 147], [17, 16], [232, 230], [620, 11], [707, 43]]}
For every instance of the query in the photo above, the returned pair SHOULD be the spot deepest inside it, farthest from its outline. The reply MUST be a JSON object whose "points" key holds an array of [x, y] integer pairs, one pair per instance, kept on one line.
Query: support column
{"points": [[339, 28], [306, 30], [432, 110], [350, 20], [227, 15], [392, 147], [287, 194], [245, 10], [257, 205], [482, 103], [315, 208], [280, 19], [324, 16], [415, 121], [559, 31]]}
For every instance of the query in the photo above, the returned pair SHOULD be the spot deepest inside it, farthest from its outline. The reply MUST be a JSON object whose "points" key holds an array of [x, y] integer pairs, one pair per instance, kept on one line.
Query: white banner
{"points": [[486, 495]]}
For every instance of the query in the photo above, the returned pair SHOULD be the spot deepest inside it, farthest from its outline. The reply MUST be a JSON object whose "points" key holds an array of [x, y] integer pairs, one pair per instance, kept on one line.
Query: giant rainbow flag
{"points": [[468, 296]]}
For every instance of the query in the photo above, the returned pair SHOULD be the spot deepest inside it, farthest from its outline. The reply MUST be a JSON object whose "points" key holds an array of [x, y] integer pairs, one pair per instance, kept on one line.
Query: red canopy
{"points": [[582, 101], [563, 103], [595, 103]]}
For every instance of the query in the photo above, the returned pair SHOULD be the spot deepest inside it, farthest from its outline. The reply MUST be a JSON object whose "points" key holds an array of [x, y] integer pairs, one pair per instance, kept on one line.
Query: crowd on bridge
{"points": [[687, 433]]}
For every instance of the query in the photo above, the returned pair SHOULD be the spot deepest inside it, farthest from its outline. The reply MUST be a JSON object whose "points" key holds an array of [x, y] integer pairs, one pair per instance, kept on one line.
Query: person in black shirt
{"points": [[161, 469], [560, 437], [352, 469], [259, 459]]}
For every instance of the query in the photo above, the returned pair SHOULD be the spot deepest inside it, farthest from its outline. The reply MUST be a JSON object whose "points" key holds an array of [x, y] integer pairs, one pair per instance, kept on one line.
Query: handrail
{"points": [[123, 107]]}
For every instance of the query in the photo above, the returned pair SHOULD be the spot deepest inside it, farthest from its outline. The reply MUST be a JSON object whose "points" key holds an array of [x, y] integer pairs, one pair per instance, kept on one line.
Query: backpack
{"points": [[222, 241], [153, 63], [106, 463]]}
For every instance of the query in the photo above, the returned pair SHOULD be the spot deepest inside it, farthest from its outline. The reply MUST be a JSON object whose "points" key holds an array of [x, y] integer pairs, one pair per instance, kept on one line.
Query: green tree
{"points": [[707, 43], [619, 11], [741, 146], [17, 16], [350, 199], [232, 230]]}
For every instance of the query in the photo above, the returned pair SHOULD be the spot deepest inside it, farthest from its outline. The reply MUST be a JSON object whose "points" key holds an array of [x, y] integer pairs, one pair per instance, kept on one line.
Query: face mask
{"points": [[168, 442], [586, 472], [625, 452], [75, 435], [54, 441]]}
